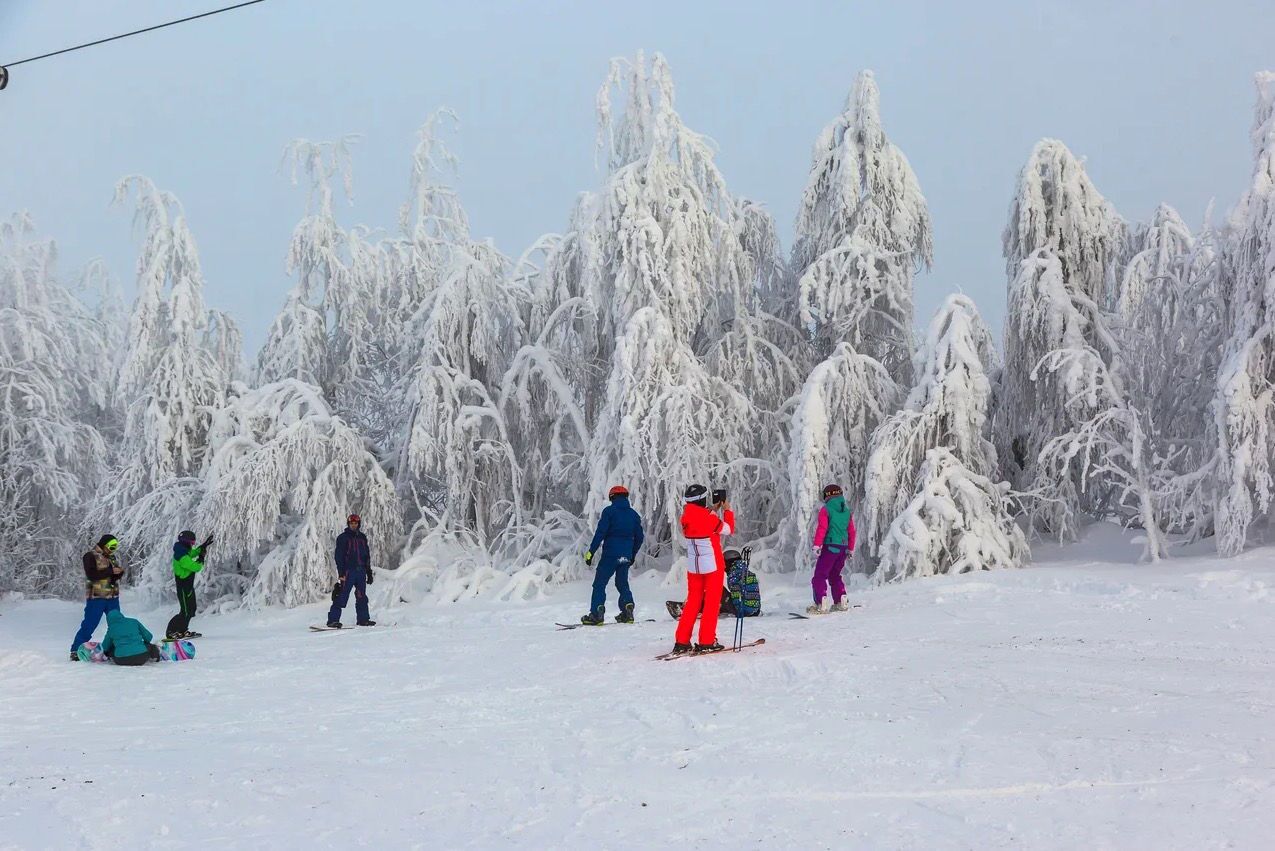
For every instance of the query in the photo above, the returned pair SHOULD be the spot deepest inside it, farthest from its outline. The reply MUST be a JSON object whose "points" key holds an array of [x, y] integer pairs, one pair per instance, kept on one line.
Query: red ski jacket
{"points": [[703, 530]]}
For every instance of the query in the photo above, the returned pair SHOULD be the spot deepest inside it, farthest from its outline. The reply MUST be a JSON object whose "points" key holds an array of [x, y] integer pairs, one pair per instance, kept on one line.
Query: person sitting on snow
{"points": [[620, 535], [127, 642], [101, 589], [834, 541]]}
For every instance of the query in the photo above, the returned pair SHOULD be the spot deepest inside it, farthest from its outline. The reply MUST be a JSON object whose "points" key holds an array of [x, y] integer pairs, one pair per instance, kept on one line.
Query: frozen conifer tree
{"points": [[170, 380], [1243, 408], [1057, 207], [931, 503], [1061, 241], [1170, 327], [863, 230], [324, 297], [51, 391], [458, 462]]}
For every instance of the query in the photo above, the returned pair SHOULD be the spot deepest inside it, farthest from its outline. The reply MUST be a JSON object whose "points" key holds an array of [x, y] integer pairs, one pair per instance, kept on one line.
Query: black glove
{"points": [[336, 591], [207, 543], [368, 571]]}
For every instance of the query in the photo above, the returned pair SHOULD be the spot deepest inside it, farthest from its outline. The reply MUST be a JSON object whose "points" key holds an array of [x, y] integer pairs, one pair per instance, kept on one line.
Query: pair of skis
{"points": [[670, 656]]}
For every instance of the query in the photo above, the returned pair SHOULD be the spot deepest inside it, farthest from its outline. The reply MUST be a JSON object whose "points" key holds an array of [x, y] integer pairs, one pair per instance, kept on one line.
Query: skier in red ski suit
{"points": [[705, 570]]}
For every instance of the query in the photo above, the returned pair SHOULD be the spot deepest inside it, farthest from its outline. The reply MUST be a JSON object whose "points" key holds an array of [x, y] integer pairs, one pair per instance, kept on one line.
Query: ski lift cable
{"points": [[126, 35]]}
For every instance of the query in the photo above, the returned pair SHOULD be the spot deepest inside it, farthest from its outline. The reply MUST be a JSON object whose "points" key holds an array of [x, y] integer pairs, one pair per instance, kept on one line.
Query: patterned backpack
{"points": [[745, 593]]}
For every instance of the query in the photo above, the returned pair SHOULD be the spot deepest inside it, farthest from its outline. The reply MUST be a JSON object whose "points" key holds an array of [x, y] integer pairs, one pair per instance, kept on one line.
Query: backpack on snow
{"points": [[741, 582]]}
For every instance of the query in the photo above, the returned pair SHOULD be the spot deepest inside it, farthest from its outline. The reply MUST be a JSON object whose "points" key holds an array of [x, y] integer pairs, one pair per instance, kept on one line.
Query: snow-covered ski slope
{"points": [[1085, 702]]}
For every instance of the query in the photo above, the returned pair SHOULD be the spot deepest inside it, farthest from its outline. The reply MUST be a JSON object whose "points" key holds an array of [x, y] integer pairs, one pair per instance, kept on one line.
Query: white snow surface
{"points": [[1083, 702]]}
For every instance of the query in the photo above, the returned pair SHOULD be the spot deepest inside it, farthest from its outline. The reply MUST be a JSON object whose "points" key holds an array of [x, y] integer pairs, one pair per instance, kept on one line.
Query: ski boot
{"points": [[625, 616], [816, 609], [715, 647], [840, 606], [334, 624], [592, 619], [682, 649], [189, 634], [75, 657], [367, 623]]}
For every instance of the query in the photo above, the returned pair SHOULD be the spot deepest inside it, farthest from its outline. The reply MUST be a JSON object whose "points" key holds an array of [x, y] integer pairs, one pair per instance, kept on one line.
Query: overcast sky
{"points": [[1157, 96]]}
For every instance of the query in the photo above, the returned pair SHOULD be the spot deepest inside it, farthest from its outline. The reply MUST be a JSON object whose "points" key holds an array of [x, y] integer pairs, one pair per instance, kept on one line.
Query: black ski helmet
{"points": [[731, 555], [187, 537], [697, 494]]}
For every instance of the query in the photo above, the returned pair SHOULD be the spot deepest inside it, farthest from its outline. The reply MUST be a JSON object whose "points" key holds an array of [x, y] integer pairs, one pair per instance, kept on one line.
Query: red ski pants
{"points": [[703, 594]]}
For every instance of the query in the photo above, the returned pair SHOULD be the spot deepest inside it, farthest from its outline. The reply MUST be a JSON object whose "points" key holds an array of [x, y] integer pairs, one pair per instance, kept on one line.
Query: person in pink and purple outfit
{"points": [[834, 541]]}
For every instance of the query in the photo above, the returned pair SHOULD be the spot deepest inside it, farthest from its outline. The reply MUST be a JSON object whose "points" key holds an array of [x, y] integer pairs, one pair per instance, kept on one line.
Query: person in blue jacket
{"points": [[354, 570], [620, 537]]}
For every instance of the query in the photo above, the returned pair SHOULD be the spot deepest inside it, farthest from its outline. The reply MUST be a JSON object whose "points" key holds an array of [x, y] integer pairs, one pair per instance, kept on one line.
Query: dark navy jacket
{"points": [[619, 531], [352, 551]]}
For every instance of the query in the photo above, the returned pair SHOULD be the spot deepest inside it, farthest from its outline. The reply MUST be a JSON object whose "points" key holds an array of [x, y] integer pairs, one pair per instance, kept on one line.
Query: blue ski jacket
{"points": [[619, 531], [352, 551]]}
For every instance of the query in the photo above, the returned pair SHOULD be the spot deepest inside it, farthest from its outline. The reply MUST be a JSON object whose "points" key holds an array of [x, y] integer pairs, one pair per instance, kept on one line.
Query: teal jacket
{"points": [[124, 636]]}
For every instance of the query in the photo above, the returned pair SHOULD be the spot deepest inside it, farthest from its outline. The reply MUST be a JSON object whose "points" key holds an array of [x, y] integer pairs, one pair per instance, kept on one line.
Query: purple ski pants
{"points": [[832, 559]]}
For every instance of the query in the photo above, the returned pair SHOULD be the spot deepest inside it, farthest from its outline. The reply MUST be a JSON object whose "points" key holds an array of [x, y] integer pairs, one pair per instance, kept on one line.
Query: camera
{"points": [[719, 495]]}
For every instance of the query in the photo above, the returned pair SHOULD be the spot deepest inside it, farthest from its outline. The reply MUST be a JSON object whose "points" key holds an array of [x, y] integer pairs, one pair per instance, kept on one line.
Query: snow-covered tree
{"points": [[667, 423], [863, 230], [1244, 406], [1062, 240], [312, 339], [173, 371], [52, 382], [957, 522], [1077, 438], [1056, 206], [457, 459], [931, 503]]}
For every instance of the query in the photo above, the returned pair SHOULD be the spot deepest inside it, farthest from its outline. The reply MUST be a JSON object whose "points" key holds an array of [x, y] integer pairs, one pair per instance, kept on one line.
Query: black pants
{"points": [[186, 601], [151, 655]]}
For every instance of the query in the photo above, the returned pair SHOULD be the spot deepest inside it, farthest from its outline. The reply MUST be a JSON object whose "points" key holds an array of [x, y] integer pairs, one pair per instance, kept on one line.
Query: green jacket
{"points": [[186, 561], [124, 636]]}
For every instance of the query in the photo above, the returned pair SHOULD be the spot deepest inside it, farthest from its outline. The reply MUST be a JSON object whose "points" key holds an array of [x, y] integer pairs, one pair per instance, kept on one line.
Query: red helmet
{"points": [[353, 518], [617, 490]]}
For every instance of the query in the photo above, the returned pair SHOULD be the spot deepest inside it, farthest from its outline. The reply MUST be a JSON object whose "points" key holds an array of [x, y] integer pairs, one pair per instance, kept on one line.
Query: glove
{"points": [[336, 591], [368, 571], [588, 558], [207, 543]]}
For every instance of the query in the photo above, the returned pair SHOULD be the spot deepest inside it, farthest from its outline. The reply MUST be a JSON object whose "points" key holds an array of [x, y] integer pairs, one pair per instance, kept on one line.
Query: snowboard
{"points": [[355, 628], [176, 651], [668, 657], [562, 626], [800, 617]]}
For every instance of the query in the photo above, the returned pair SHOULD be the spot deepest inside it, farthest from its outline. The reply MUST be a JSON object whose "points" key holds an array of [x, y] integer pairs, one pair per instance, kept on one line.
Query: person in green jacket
{"points": [[188, 560], [127, 642]]}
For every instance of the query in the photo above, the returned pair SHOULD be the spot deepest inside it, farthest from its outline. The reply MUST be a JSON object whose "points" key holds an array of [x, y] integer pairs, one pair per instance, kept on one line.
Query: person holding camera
{"points": [[705, 569], [188, 560], [101, 589]]}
